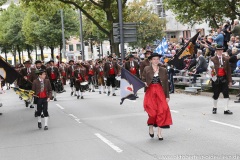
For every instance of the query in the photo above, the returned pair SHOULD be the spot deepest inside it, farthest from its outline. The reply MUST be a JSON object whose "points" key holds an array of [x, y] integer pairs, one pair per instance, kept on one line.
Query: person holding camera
{"points": [[236, 28], [221, 78], [227, 34]]}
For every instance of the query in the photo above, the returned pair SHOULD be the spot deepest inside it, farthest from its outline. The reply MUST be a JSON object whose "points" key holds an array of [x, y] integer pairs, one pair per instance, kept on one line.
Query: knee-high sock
{"points": [[78, 92], [215, 103], [54, 94], [113, 90], [108, 88], [103, 88], [226, 100], [39, 119], [100, 88], [72, 89], [46, 121]]}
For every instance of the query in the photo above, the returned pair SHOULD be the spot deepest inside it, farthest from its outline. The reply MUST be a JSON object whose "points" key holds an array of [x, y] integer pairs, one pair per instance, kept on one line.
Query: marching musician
{"points": [[63, 71], [70, 74], [100, 76], [79, 75], [43, 90], [53, 75], [91, 69], [111, 70], [28, 74], [132, 66], [222, 69]]}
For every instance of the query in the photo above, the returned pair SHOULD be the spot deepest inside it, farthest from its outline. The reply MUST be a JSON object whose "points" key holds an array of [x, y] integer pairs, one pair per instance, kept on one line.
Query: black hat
{"points": [[20, 65], [154, 55], [131, 56], [51, 61], [148, 51], [27, 62], [78, 64], [110, 56], [99, 61], [71, 61], [219, 47], [38, 61]]}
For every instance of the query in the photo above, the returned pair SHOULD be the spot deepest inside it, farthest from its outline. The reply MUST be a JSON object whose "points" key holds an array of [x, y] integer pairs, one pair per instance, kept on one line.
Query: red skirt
{"points": [[156, 106]]}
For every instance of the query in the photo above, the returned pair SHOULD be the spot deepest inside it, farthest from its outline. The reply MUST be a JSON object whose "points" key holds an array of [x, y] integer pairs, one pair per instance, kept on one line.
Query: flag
{"points": [[7, 71], [162, 47], [26, 95], [187, 49], [129, 85]]}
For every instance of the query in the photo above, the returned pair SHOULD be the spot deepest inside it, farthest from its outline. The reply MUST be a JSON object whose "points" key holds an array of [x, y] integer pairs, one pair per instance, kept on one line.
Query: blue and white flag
{"points": [[162, 47]]}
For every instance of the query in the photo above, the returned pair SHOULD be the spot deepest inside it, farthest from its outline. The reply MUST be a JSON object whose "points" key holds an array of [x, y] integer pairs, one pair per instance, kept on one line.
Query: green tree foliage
{"points": [[10, 29], [199, 11], [150, 26]]}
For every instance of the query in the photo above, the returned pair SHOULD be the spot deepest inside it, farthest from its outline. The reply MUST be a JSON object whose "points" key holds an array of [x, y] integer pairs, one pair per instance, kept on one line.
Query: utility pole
{"points": [[121, 29], [81, 34], [63, 38]]}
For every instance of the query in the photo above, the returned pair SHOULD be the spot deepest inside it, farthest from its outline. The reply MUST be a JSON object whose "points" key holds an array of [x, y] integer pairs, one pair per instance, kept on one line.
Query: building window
{"points": [[78, 46], [186, 34], [70, 47]]}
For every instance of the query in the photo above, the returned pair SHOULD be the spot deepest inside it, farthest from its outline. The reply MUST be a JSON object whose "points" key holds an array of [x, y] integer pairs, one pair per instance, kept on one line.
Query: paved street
{"points": [[98, 128]]}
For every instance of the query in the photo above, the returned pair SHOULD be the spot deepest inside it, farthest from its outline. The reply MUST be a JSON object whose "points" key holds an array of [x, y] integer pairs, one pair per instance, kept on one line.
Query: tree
{"points": [[10, 29], [150, 26], [199, 11]]}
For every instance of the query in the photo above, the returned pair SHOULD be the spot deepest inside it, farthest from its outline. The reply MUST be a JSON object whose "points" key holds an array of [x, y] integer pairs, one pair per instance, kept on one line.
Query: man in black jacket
{"points": [[201, 65]]}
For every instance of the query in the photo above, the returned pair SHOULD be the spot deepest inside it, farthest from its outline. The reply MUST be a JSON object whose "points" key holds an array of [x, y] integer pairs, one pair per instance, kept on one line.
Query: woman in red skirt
{"points": [[157, 96]]}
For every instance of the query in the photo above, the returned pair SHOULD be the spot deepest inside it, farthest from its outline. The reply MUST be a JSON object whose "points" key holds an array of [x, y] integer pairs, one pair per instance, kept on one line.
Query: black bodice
{"points": [[156, 80]]}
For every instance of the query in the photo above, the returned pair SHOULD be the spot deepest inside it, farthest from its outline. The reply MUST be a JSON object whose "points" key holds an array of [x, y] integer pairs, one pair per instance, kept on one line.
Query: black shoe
{"points": [[31, 106], [46, 128], [104, 92], [108, 93], [26, 103], [113, 94], [151, 135], [228, 112], [78, 97], [39, 125], [116, 89], [42, 116], [82, 97], [64, 90], [71, 93], [75, 94], [100, 92], [55, 99], [0, 114], [214, 111], [160, 138], [238, 95], [93, 90]]}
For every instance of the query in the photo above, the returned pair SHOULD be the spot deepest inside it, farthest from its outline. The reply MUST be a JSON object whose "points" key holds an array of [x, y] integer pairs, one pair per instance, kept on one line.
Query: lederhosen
{"points": [[72, 79], [91, 75], [221, 84], [100, 76], [112, 74], [79, 77], [42, 104], [63, 74], [53, 78]]}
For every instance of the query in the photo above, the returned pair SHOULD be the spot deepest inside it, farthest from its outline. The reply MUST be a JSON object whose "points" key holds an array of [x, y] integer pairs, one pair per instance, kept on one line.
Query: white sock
{"points": [[39, 119], [81, 94], [72, 89], [113, 90], [78, 92], [103, 88], [215, 103], [108, 88], [46, 121], [100, 88], [54, 94], [226, 100]]}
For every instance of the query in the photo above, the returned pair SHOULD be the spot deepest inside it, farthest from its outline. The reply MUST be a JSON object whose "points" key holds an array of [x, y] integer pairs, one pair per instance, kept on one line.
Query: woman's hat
{"points": [[219, 47], [154, 55]]}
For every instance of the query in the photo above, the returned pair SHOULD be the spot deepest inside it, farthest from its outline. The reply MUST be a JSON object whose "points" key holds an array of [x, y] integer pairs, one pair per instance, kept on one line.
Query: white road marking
{"points": [[225, 124], [73, 116], [117, 149], [78, 120], [59, 106], [174, 111]]}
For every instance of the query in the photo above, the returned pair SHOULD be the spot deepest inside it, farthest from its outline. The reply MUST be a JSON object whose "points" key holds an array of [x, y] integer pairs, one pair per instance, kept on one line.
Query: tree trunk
{"points": [[14, 57], [5, 51], [52, 52], [42, 55], [29, 53], [19, 54], [36, 52]]}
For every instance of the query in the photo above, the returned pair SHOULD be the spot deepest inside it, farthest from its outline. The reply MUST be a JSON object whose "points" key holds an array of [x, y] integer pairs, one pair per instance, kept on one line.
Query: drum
{"points": [[84, 86]]}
